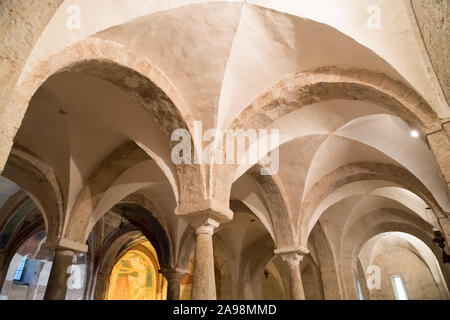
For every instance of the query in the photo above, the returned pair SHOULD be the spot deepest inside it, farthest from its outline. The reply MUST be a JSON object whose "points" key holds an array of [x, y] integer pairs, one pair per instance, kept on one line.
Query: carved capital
{"points": [[202, 210], [292, 255], [173, 274]]}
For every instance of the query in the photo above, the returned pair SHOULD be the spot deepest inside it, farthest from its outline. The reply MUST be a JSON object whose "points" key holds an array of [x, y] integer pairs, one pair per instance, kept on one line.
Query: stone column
{"points": [[204, 216], [293, 257], [57, 281], [65, 250], [173, 277], [204, 282]]}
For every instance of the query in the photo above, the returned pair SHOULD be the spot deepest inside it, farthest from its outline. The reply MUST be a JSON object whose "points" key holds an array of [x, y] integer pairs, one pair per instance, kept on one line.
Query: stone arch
{"points": [[311, 279], [91, 205], [413, 245], [116, 245], [85, 211], [10, 207], [43, 188], [142, 226], [129, 71], [331, 83], [275, 198], [16, 218], [327, 260], [142, 201], [150, 227], [356, 172], [361, 278], [281, 268], [382, 221], [125, 237], [186, 248], [251, 268], [246, 196]]}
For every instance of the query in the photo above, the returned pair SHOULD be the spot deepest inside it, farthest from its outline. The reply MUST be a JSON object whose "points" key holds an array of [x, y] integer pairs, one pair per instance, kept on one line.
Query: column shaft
{"points": [[292, 256], [295, 279], [204, 282], [173, 284], [57, 282], [204, 216]]}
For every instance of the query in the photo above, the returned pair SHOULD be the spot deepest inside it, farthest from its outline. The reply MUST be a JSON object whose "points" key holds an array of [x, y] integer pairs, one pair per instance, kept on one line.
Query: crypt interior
{"points": [[94, 207]]}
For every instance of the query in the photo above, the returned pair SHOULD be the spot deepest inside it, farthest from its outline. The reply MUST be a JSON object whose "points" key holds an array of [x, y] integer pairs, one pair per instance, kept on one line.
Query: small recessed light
{"points": [[414, 133]]}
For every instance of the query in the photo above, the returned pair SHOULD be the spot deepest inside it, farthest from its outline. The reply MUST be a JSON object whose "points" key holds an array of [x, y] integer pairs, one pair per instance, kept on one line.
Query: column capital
{"points": [[300, 250], [173, 276], [173, 273], [66, 244], [292, 255], [202, 210]]}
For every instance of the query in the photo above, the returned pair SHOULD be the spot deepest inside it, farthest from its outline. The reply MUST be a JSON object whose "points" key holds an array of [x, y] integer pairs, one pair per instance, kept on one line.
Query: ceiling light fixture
{"points": [[414, 133]]}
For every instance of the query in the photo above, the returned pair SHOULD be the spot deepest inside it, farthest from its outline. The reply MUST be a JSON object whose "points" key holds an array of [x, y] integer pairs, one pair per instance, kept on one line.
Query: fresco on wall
{"points": [[133, 278], [186, 282]]}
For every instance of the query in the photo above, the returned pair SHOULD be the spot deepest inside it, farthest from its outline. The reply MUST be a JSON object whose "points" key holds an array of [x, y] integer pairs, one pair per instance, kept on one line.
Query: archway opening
{"points": [[272, 283], [135, 275], [399, 266]]}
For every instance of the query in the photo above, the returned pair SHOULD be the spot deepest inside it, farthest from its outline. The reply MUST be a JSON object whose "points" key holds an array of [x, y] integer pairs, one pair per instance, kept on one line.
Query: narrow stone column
{"points": [[64, 250], [204, 216], [173, 277], [293, 257], [57, 281], [295, 279], [204, 282]]}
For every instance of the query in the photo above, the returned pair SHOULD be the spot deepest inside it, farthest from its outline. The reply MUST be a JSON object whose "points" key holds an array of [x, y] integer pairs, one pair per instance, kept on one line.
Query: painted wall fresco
{"points": [[133, 278], [186, 282]]}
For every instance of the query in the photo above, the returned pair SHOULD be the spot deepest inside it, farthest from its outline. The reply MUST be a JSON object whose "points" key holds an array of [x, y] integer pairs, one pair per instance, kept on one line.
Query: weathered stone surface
{"points": [[204, 283], [57, 282], [89, 164], [293, 259], [433, 19], [173, 277], [439, 142], [21, 23]]}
